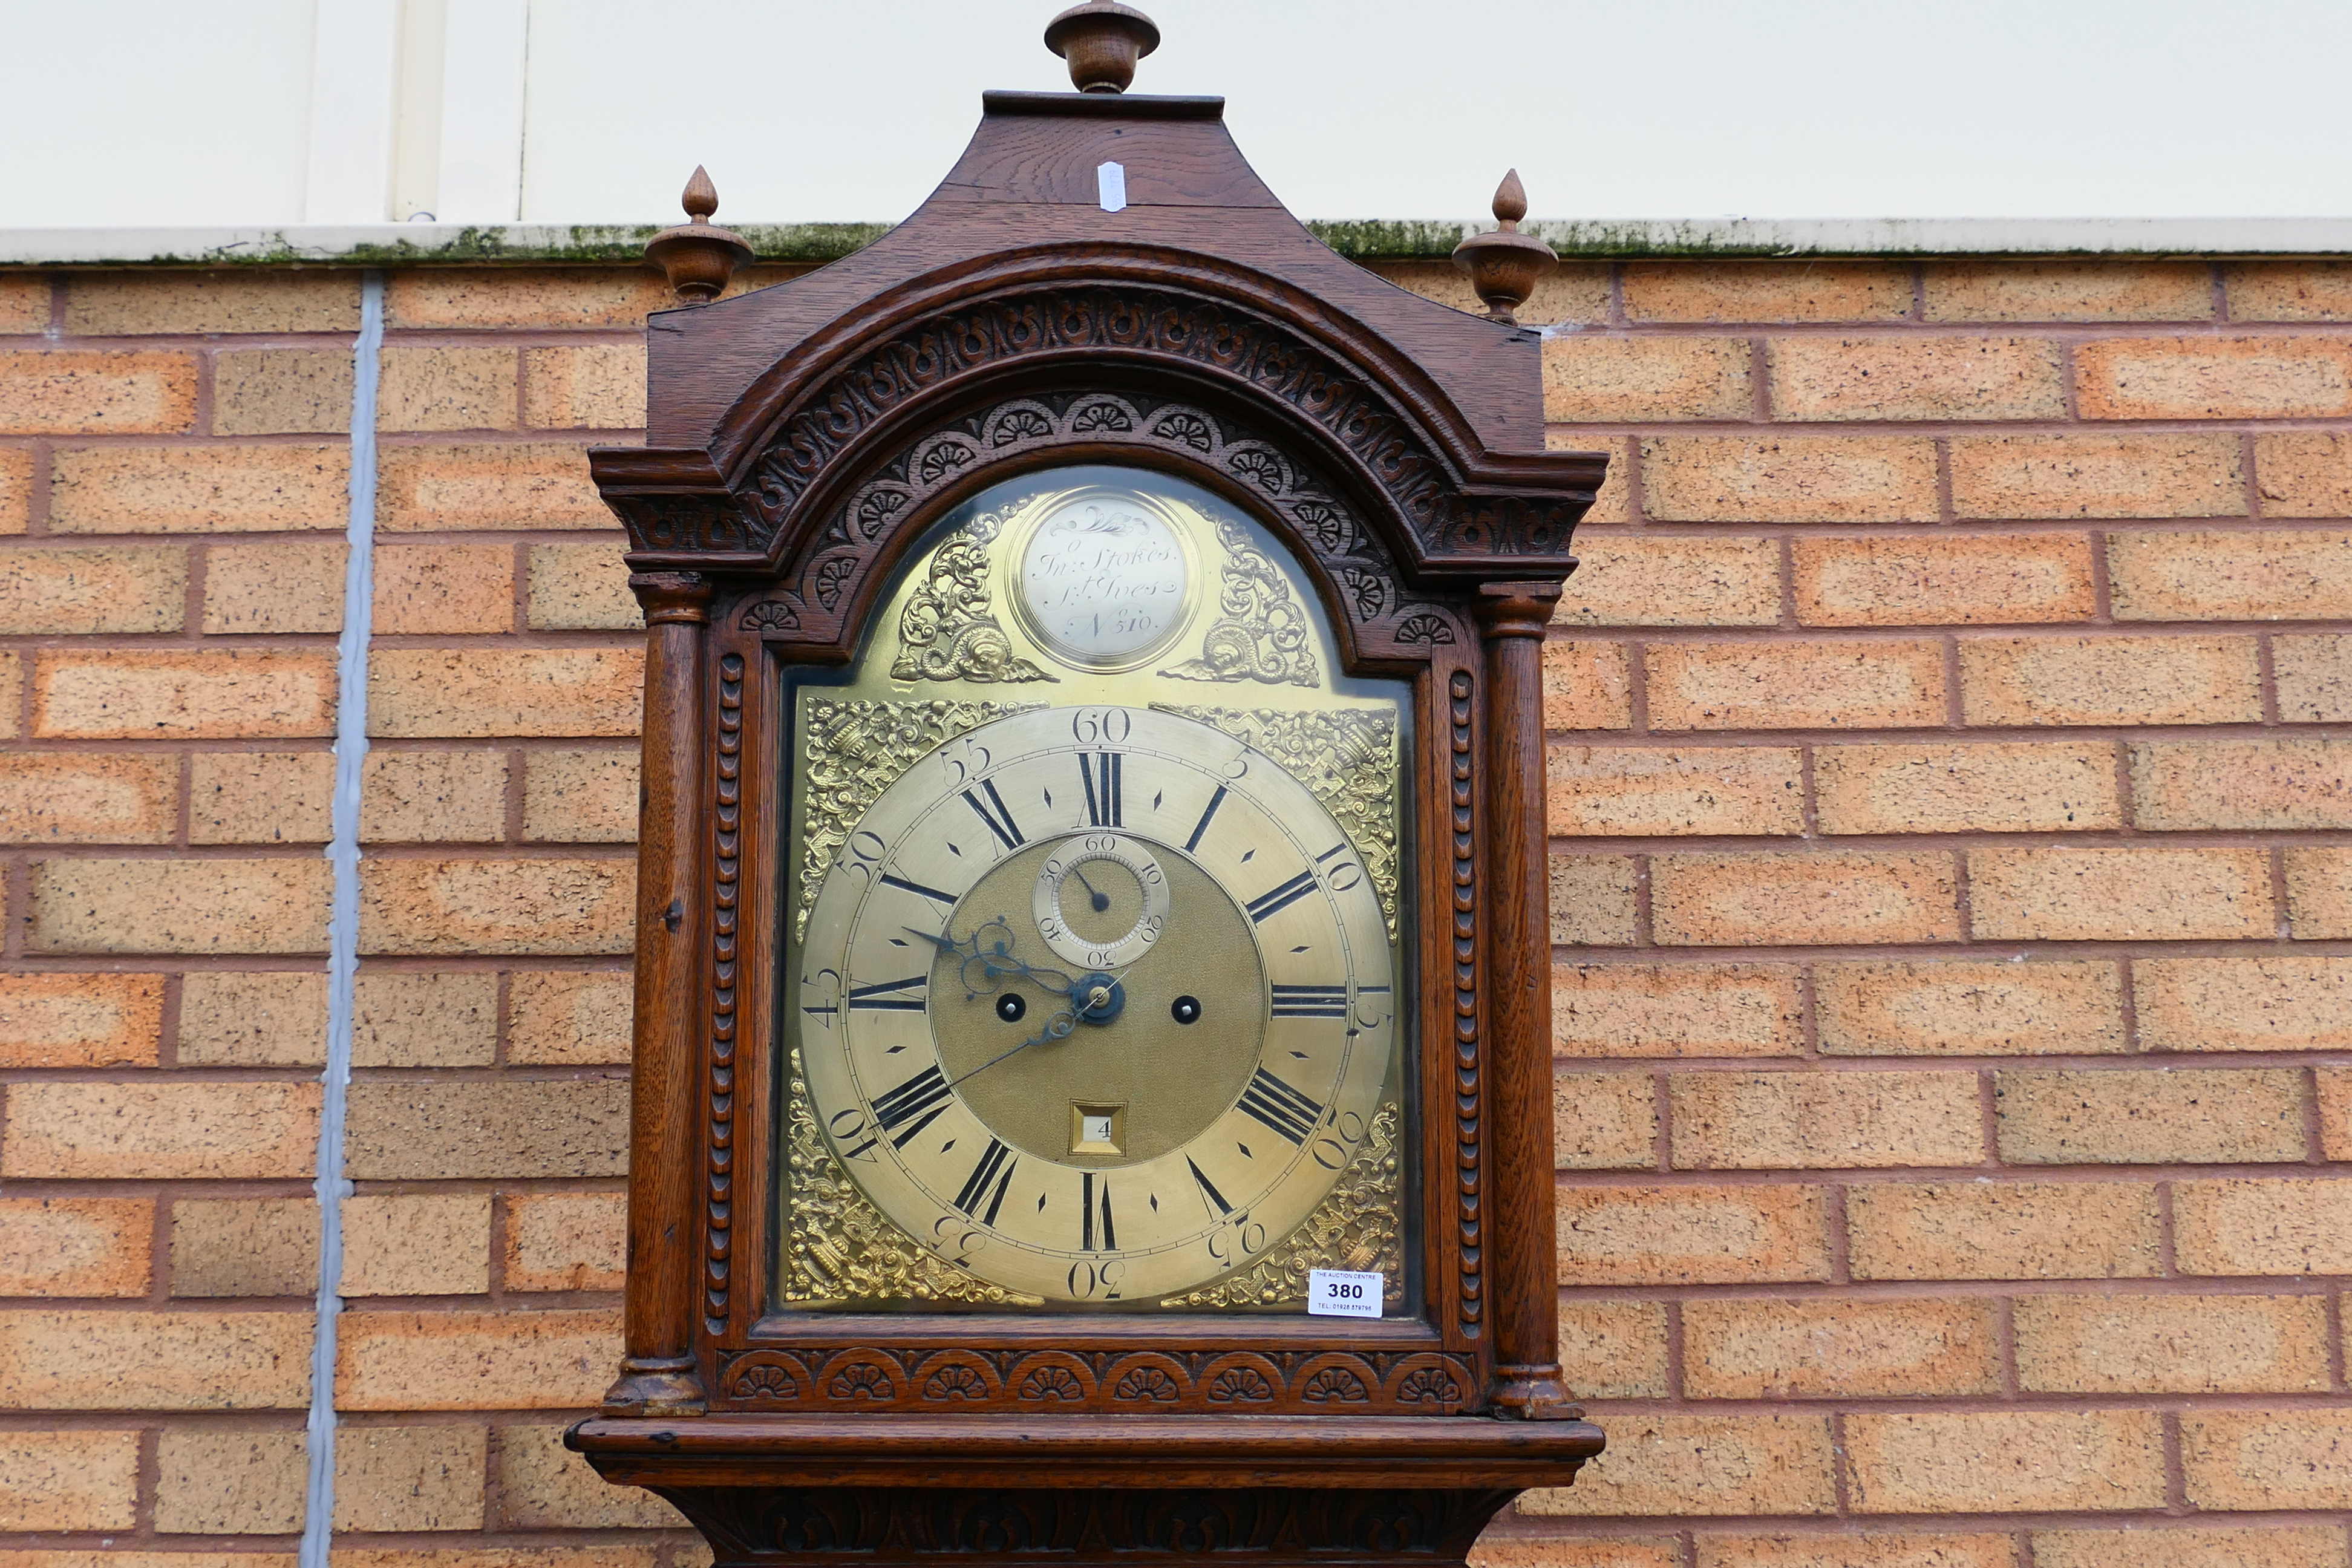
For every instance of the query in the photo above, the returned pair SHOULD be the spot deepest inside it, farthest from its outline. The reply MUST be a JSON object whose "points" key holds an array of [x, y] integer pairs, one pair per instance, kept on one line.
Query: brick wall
{"points": [[1954, 1006]]}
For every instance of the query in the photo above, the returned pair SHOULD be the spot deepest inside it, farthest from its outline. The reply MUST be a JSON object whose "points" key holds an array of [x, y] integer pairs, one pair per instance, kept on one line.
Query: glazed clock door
{"points": [[1093, 992]]}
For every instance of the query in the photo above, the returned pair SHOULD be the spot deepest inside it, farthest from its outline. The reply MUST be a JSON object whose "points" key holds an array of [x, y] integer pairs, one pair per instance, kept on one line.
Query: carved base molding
{"points": [[1269, 1525]]}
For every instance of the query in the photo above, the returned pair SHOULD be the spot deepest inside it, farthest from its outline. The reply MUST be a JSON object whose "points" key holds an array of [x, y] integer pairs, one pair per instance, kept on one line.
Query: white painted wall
{"points": [[158, 112]]}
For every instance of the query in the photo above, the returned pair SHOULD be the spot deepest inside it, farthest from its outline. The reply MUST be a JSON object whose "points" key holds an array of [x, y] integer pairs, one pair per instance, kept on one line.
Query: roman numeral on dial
{"points": [[1215, 1199], [1087, 1206], [889, 880], [877, 998], [1310, 1001], [914, 1104], [1281, 898], [1000, 821], [1100, 774], [1201, 826], [995, 1165], [1281, 1108]]}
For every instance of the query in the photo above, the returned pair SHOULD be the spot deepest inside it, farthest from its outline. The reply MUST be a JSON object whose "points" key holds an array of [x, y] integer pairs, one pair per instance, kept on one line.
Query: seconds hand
{"points": [[1101, 900]]}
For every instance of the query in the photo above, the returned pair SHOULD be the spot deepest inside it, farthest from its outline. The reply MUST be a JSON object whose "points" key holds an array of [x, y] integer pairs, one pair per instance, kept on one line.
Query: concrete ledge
{"points": [[409, 245]]}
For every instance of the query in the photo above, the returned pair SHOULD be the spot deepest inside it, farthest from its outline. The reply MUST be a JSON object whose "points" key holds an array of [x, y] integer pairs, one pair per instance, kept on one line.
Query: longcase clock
{"points": [[1092, 1071]]}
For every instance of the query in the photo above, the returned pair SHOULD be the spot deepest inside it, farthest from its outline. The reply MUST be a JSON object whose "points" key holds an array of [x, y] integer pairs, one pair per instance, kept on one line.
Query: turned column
{"points": [[659, 1376], [1519, 1108]]}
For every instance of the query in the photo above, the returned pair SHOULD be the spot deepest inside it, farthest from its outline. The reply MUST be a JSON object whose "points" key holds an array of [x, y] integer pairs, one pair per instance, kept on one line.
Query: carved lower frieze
{"points": [[1063, 1382], [1271, 1525]]}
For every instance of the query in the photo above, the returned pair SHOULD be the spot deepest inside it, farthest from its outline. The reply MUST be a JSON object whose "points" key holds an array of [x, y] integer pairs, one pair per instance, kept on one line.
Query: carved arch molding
{"points": [[1135, 328]]}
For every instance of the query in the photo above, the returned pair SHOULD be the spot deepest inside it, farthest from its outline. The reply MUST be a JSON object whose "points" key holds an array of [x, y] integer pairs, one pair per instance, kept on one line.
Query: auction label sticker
{"points": [[1336, 1293]]}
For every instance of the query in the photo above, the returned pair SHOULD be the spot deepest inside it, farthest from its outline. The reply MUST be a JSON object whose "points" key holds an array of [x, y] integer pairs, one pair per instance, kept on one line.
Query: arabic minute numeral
{"points": [[1101, 726]]}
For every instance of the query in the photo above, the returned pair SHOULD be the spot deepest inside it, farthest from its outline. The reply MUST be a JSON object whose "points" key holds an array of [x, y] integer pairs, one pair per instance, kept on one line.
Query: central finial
{"points": [[1102, 40]]}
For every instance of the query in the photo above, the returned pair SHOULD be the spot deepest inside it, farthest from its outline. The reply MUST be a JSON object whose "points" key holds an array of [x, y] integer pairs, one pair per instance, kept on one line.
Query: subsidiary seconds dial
{"points": [[1097, 1004]]}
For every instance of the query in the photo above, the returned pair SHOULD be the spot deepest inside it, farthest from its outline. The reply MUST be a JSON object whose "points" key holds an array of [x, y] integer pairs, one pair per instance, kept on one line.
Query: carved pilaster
{"points": [[1525, 1288], [659, 1377]]}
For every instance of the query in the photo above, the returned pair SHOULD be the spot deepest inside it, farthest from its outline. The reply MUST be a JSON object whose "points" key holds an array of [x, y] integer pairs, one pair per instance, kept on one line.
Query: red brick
{"points": [[1613, 1349], [2143, 1116], [1914, 375], [2140, 474], [487, 1128], [568, 1017], [2301, 783], [73, 1247], [1806, 290], [583, 587], [275, 391], [1641, 791], [433, 797], [586, 386], [25, 302], [2269, 1225], [72, 1481], [401, 1018], [197, 490], [2040, 290], [2292, 1546], [1592, 899], [80, 1020], [17, 469], [232, 300], [1692, 1234], [1586, 687], [2267, 1458], [180, 906], [2019, 788], [2002, 1230], [419, 692], [66, 1359], [253, 1020], [2293, 1004], [542, 1484], [53, 393], [1817, 1121], [390, 1479], [2110, 680], [1969, 1008], [160, 1131], [1865, 1549], [250, 694], [2006, 1462], [1794, 897], [1970, 580], [445, 388], [245, 1246], [1674, 1464], [563, 296], [2206, 377], [2315, 677], [12, 693], [497, 906], [251, 589], [2062, 894], [2304, 289], [261, 797], [1577, 291], [476, 1361], [446, 589], [1609, 379], [417, 1243], [566, 1241], [64, 797], [2173, 1345], [1789, 479], [1675, 1010], [1799, 684], [507, 485], [581, 797], [1746, 1349], [2304, 575], [2304, 473], [1603, 1121], [127, 590], [1672, 580]]}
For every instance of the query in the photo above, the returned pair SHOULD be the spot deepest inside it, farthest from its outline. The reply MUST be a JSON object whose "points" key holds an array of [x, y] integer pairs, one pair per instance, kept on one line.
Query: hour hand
{"points": [[940, 942]]}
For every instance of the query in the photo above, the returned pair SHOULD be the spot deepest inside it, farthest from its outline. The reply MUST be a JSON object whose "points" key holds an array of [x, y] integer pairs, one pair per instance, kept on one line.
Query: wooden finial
{"points": [[697, 258], [1505, 265], [1102, 40]]}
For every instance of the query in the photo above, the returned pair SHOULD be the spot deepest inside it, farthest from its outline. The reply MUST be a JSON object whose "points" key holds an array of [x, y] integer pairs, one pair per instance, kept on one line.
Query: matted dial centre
{"points": [[1174, 1080]]}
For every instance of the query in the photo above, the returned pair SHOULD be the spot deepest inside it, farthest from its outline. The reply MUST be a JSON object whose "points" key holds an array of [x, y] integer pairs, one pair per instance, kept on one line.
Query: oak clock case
{"points": [[1093, 997]]}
